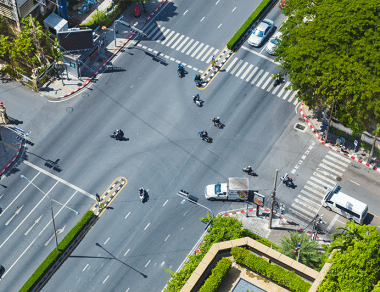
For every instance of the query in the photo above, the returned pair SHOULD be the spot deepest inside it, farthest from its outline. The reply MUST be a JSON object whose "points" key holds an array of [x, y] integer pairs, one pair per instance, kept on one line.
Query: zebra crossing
{"points": [[308, 202], [203, 52]]}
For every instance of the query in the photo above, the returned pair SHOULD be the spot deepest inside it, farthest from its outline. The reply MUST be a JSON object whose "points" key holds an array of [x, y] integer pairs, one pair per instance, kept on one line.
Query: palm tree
{"points": [[309, 254]]}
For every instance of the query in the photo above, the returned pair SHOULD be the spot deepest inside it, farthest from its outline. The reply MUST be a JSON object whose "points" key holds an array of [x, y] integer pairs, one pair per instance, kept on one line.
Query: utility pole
{"points": [[38, 42], [272, 201], [329, 122]]}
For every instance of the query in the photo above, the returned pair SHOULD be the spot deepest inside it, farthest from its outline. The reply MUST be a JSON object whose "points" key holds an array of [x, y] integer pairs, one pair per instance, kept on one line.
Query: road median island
{"points": [[248, 23], [54, 257]]}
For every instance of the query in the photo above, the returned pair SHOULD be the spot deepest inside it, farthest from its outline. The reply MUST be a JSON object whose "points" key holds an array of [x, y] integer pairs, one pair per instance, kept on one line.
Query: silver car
{"points": [[261, 32], [274, 41]]}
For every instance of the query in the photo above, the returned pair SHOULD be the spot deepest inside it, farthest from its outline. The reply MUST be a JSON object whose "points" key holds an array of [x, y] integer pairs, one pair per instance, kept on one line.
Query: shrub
{"points": [[54, 255], [217, 277], [273, 272], [248, 233], [251, 19]]}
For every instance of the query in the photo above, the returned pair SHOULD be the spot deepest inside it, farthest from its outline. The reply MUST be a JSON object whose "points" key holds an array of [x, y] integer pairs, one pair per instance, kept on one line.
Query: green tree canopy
{"points": [[331, 52], [356, 262]]}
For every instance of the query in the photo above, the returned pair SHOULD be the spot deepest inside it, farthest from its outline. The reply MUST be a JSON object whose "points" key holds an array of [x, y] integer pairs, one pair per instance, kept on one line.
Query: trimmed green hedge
{"points": [[251, 19], [223, 229], [273, 272], [217, 277], [54, 255]]}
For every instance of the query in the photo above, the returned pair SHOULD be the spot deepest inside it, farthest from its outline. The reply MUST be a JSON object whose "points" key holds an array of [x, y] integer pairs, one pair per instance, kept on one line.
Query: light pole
{"points": [[114, 23], [51, 206]]}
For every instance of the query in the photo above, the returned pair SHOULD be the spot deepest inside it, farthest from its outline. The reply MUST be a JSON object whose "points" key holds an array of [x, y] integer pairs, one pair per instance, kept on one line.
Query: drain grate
{"points": [[338, 178], [300, 127]]}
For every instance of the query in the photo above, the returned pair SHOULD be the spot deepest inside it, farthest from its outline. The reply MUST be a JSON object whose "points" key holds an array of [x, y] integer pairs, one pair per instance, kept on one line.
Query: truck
{"points": [[236, 189]]}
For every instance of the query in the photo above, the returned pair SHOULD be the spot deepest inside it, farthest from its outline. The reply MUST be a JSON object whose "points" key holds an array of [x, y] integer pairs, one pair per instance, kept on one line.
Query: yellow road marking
{"points": [[80, 239], [9, 145], [55, 81], [374, 215]]}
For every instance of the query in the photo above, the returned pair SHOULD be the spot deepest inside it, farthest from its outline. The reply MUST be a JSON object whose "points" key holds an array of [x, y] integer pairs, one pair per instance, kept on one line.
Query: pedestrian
{"points": [[213, 60]]}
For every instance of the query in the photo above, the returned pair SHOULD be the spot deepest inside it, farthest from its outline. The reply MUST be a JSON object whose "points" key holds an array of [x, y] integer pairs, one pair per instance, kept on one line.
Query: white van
{"points": [[345, 205]]}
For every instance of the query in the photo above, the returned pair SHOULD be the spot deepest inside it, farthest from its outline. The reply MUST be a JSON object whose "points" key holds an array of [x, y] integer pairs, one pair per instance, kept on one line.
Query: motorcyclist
{"points": [[180, 68], [204, 134], [248, 169], [216, 120], [196, 97], [197, 77], [118, 134], [277, 81]]}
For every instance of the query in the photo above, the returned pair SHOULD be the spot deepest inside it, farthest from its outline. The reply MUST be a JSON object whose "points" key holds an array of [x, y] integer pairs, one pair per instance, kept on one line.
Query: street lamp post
{"points": [[114, 22], [51, 206]]}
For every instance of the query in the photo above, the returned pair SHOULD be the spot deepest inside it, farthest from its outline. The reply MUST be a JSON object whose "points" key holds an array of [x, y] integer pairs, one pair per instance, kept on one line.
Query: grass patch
{"points": [[247, 24], [54, 255]]}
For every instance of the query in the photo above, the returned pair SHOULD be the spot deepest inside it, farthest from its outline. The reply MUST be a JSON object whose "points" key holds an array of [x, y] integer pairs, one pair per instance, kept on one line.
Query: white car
{"points": [[274, 41], [261, 32]]}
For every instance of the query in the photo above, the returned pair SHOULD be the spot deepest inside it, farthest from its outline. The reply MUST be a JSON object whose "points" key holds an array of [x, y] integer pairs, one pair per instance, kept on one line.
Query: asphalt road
{"points": [[132, 243]]}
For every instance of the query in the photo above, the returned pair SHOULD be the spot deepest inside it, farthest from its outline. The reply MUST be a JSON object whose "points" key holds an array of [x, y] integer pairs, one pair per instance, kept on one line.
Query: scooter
{"points": [[118, 135], [277, 81], [217, 124], [180, 71], [287, 181], [249, 170], [196, 100], [204, 136], [142, 194], [197, 80]]}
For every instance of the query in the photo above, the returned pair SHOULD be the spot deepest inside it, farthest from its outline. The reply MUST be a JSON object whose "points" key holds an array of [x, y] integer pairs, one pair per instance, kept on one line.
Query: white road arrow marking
{"points": [[18, 211], [35, 222], [59, 231]]}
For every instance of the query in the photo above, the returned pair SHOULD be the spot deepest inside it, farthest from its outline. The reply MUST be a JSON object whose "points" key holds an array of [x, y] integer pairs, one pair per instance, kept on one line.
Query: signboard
{"points": [[258, 199], [75, 40]]}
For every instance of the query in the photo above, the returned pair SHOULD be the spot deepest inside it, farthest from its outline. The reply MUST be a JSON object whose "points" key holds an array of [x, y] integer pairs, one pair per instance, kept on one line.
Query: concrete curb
{"points": [[98, 70], [216, 70], [316, 133]]}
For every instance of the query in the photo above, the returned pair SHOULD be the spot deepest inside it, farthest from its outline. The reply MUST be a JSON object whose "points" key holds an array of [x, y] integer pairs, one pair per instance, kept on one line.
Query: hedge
{"points": [[273, 272], [251, 19], [217, 277], [223, 229], [54, 255]]}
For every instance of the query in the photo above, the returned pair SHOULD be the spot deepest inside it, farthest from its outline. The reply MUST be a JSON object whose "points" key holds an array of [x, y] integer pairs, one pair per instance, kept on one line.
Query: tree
{"points": [[309, 254], [330, 50], [355, 261]]}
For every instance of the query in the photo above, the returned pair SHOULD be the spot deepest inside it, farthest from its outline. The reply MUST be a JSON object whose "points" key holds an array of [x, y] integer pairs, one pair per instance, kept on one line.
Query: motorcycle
{"points": [[118, 135], [196, 100], [249, 170], [287, 181], [197, 80], [180, 71], [277, 81], [142, 194], [204, 136], [216, 123]]}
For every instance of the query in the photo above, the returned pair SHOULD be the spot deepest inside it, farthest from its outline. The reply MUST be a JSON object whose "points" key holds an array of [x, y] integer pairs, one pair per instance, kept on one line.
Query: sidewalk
{"points": [[67, 84], [318, 126]]}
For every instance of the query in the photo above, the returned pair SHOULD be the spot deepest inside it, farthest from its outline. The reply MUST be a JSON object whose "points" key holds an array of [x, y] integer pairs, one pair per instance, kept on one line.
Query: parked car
{"points": [[262, 31], [274, 41]]}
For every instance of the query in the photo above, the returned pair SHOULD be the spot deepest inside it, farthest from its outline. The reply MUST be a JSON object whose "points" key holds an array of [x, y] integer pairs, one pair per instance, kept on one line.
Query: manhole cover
{"points": [[300, 127], [85, 94], [69, 109], [338, 178]]}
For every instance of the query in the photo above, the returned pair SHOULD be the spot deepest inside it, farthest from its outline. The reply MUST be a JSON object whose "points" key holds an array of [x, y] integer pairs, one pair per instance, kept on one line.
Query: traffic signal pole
{"points": [[272, 201]]}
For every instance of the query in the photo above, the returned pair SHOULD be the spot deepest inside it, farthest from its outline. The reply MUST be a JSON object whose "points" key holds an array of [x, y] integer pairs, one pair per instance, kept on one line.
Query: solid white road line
{"points": [[127, 215], [231, 64], [202, 18], [146, 226], [35, 222], [219, 25], [354, 182], [177, 42], [192, 48], [257, 76], [28, 215], [106, 279], [336, 160], [60, 180], [85, 268], [217, 2], [202, 52], [181, 44], [251, 74], [233, 9], [8, 270], [167, 238], [246, 71], [107, 241], [147, 264], [340, 156], [185, 12], [261, 55], [18, 195], [188, 44], [236, 67], [127, 252], [127, 290], [165, 203], [14, 215]]}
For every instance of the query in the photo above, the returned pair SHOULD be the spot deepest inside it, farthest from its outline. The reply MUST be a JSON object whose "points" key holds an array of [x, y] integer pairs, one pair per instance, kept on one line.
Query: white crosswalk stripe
{"points": [[164, 33], [262, 79], [181, 45], [266, 83], [283, 89], [172, 40], [152, 32], [167, 37], [252, 73], [215, 54], [241, 69], [208, 53], [246, 72], [323, 179], [257, 76], [286, 94], [196, 51], [231, 64], [188, 44], [192, 48], [236, 67], [177, 41], [202, 52], [292, 96]]}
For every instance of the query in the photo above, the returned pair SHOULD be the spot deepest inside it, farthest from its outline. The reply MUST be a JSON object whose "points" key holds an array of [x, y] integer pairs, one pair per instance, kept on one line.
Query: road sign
{"points": [[356, 143], [118, 20]]}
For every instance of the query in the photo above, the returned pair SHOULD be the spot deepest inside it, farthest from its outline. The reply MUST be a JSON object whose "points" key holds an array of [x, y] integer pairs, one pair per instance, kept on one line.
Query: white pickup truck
{"points": [[236, 189]]}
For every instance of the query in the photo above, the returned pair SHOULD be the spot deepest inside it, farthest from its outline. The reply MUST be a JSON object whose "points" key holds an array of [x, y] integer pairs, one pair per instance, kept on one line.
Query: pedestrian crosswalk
{"points": [[237, 67], [308, 202]]}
